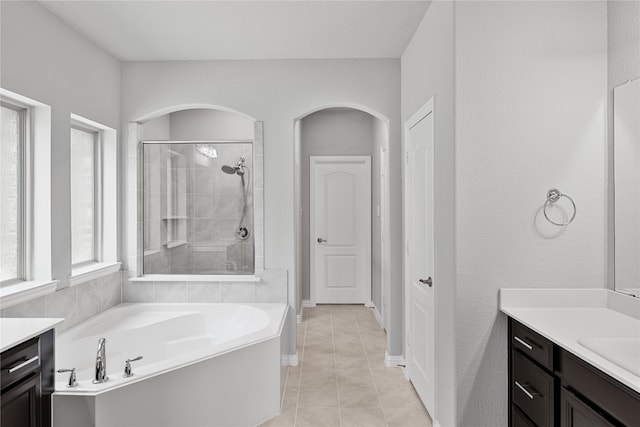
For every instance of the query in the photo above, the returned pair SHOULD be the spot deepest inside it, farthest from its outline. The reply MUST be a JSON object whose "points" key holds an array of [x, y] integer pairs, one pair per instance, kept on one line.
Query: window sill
{"points": [[24, 291], [93, 271]]}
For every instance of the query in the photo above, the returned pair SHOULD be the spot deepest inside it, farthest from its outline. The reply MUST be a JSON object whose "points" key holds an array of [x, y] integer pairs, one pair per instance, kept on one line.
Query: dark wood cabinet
{"points": [[27, 383], [548, 386], [575, 413]]}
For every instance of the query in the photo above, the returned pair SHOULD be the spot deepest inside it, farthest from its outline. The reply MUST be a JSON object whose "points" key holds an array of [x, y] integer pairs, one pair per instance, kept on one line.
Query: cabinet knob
{"points": [[321, 240]]}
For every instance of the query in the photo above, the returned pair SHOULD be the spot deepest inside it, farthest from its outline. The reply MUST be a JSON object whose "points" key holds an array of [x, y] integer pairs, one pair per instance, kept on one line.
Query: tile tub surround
{"points": [[75, 304], [272, 287], [565, 316], [342, 379]]}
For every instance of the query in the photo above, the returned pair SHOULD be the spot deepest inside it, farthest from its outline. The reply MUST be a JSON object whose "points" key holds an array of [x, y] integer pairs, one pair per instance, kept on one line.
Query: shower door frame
{"points": [[136, 245]]}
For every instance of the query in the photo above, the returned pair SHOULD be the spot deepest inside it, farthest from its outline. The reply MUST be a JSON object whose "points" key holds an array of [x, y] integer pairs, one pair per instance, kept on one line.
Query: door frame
{"points": [[313, 160], [417, 117]]}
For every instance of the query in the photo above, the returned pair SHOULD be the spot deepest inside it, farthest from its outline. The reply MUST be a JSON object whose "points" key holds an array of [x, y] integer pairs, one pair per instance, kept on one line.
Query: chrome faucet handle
{"points": [[72, 377], [127, 367]]}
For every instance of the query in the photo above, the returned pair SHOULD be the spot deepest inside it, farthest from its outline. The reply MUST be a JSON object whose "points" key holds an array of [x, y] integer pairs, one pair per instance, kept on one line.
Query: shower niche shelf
{"points": [[175, 243]]}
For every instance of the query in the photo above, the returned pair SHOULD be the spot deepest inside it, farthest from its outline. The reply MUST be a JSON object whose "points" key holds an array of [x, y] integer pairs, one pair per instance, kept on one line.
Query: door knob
{"points": [[321, 240], [427, 281]]}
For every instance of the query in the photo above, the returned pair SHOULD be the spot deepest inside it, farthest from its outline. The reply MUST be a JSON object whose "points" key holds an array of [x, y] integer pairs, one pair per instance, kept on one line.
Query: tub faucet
{"points": [[101, 363]]}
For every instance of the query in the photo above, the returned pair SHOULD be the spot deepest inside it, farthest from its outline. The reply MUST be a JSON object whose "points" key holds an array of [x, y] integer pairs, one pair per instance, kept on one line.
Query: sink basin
{"points": [[623, 351]]}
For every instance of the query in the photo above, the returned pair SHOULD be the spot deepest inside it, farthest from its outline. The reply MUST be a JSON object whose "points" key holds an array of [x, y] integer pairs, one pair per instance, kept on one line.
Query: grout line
{"points": [[384, 415], [335, 367]]}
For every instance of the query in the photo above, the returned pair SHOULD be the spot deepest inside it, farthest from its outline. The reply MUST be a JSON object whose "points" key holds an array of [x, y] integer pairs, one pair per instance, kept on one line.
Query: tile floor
{"points": [[342, 379]]}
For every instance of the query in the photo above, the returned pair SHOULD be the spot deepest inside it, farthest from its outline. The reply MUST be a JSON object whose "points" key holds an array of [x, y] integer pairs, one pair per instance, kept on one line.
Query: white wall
{"points": [[530, 115], [332, 132], [428, 71], [276, 92], [44, 59]]}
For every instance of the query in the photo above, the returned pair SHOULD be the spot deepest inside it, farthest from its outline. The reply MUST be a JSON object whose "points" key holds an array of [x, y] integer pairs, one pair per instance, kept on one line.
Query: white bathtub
{"points": [[203, 365]]}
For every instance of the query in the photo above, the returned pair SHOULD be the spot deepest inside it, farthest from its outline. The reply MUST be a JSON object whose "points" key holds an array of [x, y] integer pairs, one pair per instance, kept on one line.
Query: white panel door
{"points": [[340, 229], [420, 255]]}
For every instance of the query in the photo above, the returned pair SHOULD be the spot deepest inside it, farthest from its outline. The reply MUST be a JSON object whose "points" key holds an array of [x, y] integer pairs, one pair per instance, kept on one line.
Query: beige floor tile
{"points": [[374, 347], [355, 377], [290, 397], [319, 395], [293, 376], [349, 335], [318, 376], [317, 417], [287, 418], [319, 347], [362, 417], [376, 361], [358, 396], [349, 347], [318, 361], [351, 361], [389, 377], [407, 417], [399, 397]]}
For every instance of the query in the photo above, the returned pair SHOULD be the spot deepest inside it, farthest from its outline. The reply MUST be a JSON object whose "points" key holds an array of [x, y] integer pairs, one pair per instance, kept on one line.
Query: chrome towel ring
{"points": [[553, 196]]}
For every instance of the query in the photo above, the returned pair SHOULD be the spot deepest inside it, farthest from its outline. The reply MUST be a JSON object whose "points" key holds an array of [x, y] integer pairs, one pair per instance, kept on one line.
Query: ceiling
{"points": [[208, 30]]}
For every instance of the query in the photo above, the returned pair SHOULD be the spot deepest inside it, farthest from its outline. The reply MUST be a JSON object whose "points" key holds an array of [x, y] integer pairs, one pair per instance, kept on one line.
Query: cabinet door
{"points": [[21, 404], [575, 413]]}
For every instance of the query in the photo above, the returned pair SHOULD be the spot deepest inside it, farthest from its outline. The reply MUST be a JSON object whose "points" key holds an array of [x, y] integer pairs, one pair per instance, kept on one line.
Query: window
{"points": [[85, 196], [12, 163]]}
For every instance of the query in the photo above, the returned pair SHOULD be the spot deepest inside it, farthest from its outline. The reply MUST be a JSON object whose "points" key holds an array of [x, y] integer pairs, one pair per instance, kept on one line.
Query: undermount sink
{"points": [[622, 351]]}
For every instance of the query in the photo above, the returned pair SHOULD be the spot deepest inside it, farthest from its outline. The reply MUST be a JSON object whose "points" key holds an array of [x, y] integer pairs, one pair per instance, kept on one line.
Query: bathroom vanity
{"points": [[27, 363], [574, 357]]}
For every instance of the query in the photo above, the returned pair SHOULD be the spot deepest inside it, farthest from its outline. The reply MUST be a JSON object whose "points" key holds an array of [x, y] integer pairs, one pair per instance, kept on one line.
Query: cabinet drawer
{"points": [[532, 390], [532, 344], [19, 361], [518, 419], [622, 403]]}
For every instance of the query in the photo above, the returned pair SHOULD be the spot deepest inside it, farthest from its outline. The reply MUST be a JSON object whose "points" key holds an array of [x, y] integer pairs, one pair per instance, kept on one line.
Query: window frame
{"points": [[98, 204], [24, 150]]}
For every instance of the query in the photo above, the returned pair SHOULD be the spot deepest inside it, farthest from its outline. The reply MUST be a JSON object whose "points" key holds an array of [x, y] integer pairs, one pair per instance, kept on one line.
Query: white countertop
{"points": [[16, 330], [565, 316]]}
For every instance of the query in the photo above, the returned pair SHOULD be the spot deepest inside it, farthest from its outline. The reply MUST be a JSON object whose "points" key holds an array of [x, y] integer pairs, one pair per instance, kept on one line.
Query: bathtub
{"points": [[202, 365]]}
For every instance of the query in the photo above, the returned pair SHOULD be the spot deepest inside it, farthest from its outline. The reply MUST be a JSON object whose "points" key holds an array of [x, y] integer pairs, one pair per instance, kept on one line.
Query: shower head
{"points": [[237, 169], [229, 169]]}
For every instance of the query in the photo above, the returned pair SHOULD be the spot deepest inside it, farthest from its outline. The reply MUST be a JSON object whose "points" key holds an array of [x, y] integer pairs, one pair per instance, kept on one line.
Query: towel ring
{"points": [[553, 196]]}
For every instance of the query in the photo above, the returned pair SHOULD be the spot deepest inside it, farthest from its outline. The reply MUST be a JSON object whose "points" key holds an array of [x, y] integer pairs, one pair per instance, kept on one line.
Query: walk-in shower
{"points": [[198, 207]]}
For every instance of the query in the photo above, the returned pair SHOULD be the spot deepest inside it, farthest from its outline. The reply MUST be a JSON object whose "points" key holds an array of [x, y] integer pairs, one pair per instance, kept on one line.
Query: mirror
{"points": [[626, 148]]}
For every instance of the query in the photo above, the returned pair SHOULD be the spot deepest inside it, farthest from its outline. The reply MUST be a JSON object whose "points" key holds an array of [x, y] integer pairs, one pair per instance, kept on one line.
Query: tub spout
{"points": [[101, 363]]}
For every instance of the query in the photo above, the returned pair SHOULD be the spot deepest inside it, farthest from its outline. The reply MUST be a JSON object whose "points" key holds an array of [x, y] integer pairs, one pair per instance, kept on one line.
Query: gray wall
{"points": [[340, 132], [530, 81], [44, 59], [428, 71]]}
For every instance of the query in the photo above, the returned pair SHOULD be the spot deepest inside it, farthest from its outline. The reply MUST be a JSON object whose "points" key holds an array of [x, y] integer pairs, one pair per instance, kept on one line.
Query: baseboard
{"points": [[299, 316], [436, 423], [289, 359], [308, 303], [369, 304], [393, 361], [377, 315]]}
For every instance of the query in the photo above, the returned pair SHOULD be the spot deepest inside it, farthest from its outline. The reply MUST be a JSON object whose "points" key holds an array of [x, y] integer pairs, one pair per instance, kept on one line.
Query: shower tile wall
{"points": [[193, 230]]}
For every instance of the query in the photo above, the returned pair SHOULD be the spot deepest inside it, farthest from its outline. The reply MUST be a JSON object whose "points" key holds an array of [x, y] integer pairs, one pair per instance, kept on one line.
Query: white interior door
{"points": [[340, 229], [420, 255]]}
